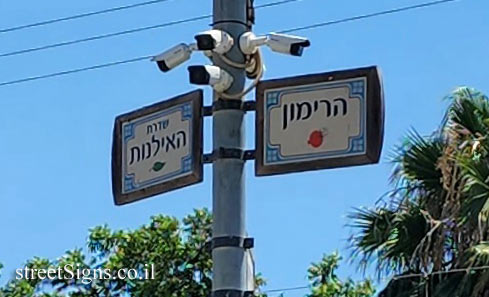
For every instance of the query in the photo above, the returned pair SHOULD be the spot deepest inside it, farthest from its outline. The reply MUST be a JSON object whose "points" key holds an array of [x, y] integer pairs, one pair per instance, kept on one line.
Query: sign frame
{"points": [[120, 198], [374, 121]]}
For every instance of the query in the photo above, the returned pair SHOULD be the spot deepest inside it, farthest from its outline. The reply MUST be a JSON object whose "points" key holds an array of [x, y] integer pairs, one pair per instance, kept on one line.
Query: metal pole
{"points": [[229, 263]]}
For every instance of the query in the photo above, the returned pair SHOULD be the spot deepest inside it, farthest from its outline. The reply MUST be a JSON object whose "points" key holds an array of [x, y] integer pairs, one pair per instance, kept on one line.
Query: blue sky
{"points": [[56, 133]]}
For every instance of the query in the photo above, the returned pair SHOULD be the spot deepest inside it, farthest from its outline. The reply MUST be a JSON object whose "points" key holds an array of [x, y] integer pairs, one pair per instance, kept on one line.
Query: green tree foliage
{"points": [[182, 265], [432, 230], [325, 283]]}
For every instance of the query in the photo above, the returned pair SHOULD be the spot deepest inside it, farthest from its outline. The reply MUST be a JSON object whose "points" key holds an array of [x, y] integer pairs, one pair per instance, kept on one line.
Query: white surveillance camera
{"points": [[287, 44], [173, 57], [214, 40], [219, 79], [282, 43]]}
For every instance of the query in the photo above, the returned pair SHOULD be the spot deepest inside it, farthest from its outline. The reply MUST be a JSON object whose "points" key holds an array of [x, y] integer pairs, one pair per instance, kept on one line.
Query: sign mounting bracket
{"points": [[230, 241], [229, 153], [221, 104]]}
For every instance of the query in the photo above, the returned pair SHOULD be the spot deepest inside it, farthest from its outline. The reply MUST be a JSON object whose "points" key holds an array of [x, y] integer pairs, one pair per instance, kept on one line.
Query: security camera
{"points": [[219, 79], [287, 44], [282, 43], [214, 40], [173, 57]]}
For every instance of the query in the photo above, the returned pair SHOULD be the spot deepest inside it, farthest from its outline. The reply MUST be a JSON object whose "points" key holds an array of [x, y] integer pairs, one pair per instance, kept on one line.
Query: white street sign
{"points": [[158, 148], [319, 121]]}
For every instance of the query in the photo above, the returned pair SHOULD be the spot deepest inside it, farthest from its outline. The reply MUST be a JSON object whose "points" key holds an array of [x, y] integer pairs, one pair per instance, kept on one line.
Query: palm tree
{"points": [[431, 232]]}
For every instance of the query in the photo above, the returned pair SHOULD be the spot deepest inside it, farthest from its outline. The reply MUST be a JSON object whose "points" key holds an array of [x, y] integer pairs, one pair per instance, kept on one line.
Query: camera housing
{"points": [[211, 75], [287, 44], [281, 43], [173, 57], [214, 40]]}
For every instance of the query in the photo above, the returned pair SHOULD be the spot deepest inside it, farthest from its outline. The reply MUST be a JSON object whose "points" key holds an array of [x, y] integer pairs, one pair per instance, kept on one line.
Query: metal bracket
{"points": [[229, 21], [232, 293], [249, 105], [230, 241], [229, 153], [227, 104]]}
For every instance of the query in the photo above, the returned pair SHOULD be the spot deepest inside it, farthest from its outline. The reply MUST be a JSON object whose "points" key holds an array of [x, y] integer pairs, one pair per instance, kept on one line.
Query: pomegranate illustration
{"points": [[316, 138]]}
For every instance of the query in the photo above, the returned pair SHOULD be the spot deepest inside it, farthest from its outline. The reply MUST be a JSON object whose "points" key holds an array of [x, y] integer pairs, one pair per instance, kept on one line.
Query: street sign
{"points": [[319, 121], [157, 148]]}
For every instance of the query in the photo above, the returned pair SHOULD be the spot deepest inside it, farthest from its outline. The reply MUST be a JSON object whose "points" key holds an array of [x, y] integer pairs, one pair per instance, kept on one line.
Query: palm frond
{"points": [[475, 207], [387, 237], [418, 162], [470, 110]]}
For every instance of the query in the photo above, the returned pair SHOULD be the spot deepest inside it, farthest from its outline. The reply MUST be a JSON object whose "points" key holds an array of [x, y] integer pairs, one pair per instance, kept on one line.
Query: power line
{"points": [[286, 289], [439, 272], [98, 37], [366, 16], [32, 78], [130, 31], [277, 3], [79, 16], [455, 270], [75, 70]]}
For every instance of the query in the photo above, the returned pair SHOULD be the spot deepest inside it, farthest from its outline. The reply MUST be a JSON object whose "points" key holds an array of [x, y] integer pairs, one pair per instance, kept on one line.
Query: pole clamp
{"points": [[230, 241], [229, 104], [229, 21], [229, 153], [232, 293]]}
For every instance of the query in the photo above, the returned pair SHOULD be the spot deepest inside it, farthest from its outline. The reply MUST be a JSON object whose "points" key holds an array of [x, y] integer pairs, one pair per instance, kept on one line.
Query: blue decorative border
{"points": [[357, 145], [128, 180]]}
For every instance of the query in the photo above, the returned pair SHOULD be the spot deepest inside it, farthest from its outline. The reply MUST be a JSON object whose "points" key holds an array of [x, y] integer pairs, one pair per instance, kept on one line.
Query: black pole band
{"points": [[229, 153], [229, 104], [230, 241], [232, 293], [229, 21]]}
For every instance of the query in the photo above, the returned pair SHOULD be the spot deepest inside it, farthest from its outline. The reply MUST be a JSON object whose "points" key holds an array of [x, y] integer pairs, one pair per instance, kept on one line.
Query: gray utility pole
{"points": [[229, 262]]}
